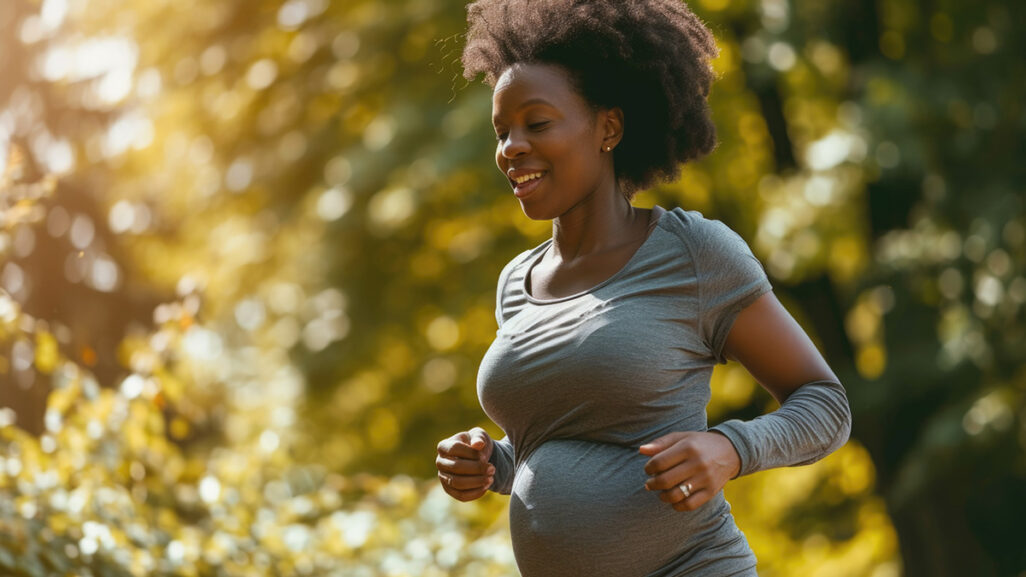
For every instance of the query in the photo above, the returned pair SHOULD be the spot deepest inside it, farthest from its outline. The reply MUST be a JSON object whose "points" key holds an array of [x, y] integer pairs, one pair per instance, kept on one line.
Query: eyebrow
{"points": [[528, 103]]}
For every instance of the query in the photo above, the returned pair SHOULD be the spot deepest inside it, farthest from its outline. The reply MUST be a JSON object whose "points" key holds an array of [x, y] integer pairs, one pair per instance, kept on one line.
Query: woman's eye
{"points": [[533, 126]]}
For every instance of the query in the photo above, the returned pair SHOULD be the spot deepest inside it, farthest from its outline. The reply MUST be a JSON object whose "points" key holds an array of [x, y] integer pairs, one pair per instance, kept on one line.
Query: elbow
{"points": [[841, 421], [843, 432], [832, 418]]}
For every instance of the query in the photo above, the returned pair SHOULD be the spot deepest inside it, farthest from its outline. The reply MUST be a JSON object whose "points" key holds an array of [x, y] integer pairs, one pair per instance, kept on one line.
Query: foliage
{"points": [[277, 231], [112, 486]]}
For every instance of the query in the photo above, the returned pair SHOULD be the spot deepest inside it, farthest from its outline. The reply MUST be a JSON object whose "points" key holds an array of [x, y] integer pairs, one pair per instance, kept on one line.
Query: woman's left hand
{"points": [[701, 462]]}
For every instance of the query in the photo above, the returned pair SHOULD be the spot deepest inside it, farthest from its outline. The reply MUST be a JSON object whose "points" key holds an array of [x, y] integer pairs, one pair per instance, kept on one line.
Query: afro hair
{"points": [[650, 58]]}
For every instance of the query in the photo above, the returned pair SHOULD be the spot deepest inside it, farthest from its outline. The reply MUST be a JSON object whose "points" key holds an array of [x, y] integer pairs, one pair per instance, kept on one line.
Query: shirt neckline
{"points": [[545, 246]]}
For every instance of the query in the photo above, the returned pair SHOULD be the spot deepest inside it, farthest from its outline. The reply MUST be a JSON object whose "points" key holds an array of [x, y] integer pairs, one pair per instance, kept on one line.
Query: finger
{"points": [[465, 490], [464, 466], [457, 446], [669, 457], [478, 438], [464, 482], [672, 477], [461, 437], [676, 494], [660, 444], [467, 482], [697, 499], [468, 495]]}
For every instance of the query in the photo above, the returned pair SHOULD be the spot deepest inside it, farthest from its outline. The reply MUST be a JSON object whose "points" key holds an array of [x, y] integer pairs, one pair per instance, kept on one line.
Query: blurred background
{"points": [[248, 254]]}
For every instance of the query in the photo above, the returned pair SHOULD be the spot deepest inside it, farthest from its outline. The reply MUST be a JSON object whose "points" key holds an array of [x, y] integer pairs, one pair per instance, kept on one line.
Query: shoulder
{"points": [[680, 218], [509, 298], [514, 270], [703, 236]]}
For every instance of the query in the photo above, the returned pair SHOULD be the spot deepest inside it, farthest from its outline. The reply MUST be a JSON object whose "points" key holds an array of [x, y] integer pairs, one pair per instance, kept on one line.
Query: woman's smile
{"points": [[549, 140], [525, 181]]}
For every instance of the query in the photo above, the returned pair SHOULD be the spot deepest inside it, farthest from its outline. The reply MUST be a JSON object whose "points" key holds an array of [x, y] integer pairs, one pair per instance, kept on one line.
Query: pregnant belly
{"points": [[581, 508]]}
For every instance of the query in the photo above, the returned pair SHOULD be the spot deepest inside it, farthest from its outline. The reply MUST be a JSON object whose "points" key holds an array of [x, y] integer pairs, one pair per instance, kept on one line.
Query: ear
{"points": [[611, 121]]}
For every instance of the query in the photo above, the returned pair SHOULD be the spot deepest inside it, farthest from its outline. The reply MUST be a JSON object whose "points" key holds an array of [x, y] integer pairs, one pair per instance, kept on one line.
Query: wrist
{"points": [[733, 456]]}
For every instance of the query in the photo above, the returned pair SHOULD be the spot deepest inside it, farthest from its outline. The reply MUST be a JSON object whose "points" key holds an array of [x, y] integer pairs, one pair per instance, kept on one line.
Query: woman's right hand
{"points": [[463, 467]]}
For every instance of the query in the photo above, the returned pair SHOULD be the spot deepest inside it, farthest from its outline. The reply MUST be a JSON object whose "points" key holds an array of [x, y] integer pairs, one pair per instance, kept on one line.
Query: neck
{"points": [[599, 223]]}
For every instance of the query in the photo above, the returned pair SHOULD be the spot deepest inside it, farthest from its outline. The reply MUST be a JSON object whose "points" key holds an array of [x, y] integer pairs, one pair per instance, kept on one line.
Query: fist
{"points": [[462, 463], [689, 468]]}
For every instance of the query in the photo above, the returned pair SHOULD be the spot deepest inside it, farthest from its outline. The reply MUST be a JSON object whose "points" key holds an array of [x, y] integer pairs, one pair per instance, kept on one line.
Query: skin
{"points": [[543, 123]]}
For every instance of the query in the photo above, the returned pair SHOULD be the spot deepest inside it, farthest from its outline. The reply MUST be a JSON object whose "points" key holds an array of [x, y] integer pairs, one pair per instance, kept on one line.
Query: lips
{"points": [[525, 180]]}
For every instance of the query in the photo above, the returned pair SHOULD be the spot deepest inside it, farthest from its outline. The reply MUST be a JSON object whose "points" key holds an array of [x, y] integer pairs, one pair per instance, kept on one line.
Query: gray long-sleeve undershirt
{"points": [[812, 423]]}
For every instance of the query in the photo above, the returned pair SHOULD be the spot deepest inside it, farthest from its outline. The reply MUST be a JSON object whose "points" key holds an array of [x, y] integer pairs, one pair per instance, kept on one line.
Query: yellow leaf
{"points": [[47, 354]]}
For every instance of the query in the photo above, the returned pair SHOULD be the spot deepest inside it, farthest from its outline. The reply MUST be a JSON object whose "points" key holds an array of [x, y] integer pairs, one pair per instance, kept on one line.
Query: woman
{"points": [[609, 331]]}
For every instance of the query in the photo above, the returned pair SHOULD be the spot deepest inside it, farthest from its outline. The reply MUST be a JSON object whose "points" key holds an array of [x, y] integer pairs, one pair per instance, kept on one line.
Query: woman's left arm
{"points": [[812, 421]]}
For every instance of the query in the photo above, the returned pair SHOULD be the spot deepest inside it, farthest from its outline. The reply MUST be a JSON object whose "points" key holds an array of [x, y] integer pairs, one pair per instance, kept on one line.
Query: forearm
{"points": [[502, 459], [812, 423]]}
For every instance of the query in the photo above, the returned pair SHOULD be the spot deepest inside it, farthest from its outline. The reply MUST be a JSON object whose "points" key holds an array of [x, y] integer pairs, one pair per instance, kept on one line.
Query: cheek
{"points": [[579, 159], [584, 172]]}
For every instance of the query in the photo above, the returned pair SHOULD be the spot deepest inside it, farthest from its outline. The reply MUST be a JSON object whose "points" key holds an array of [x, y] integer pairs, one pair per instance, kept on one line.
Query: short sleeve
{"points": [[501, 294], [499, 289], [729, 279]]}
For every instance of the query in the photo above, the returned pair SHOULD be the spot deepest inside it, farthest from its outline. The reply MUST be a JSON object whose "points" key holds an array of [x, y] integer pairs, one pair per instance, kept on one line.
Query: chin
{"points": [[535, 212]]}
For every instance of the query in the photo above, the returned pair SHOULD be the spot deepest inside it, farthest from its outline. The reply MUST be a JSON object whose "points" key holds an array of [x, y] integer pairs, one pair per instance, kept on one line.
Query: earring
{"points": [[608, 148]]}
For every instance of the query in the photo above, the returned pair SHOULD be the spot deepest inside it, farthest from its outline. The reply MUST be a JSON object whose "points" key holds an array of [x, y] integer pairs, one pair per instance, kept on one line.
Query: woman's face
{"points": [[549, 135]]}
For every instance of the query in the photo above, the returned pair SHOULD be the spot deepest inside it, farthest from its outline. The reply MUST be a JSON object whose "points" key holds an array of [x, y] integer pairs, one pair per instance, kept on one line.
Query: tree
{"points": [[298, 203]]}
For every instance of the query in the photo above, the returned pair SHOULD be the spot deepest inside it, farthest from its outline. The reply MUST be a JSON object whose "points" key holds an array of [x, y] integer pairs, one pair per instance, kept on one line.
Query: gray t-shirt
{"points": [[579, 383]]}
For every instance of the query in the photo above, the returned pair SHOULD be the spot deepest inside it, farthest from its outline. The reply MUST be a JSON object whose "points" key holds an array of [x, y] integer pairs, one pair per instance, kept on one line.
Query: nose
{"points": [[515, 145]]}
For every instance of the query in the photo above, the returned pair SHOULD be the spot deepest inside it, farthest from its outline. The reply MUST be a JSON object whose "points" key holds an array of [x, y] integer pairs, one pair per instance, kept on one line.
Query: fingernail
{"points": [[491, 470]]}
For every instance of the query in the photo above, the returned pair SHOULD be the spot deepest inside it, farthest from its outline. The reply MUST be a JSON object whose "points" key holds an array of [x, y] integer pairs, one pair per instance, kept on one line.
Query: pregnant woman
{"points": [[609, 331]]}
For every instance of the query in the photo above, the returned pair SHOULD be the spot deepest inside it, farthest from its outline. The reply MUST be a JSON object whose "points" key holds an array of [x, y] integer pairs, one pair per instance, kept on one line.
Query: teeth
{"points": [[525, 178]]}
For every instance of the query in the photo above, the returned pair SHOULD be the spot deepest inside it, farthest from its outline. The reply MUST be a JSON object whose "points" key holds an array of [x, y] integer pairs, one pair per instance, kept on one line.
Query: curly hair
{"points": [[651, 58]]}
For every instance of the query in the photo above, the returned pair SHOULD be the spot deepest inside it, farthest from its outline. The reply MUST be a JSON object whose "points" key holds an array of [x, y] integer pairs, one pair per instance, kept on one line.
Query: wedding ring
{"points": [[686, 489]]}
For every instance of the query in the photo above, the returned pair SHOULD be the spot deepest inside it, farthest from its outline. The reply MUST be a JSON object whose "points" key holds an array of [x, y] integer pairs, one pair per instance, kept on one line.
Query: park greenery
{"points": [[248, 254]]}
